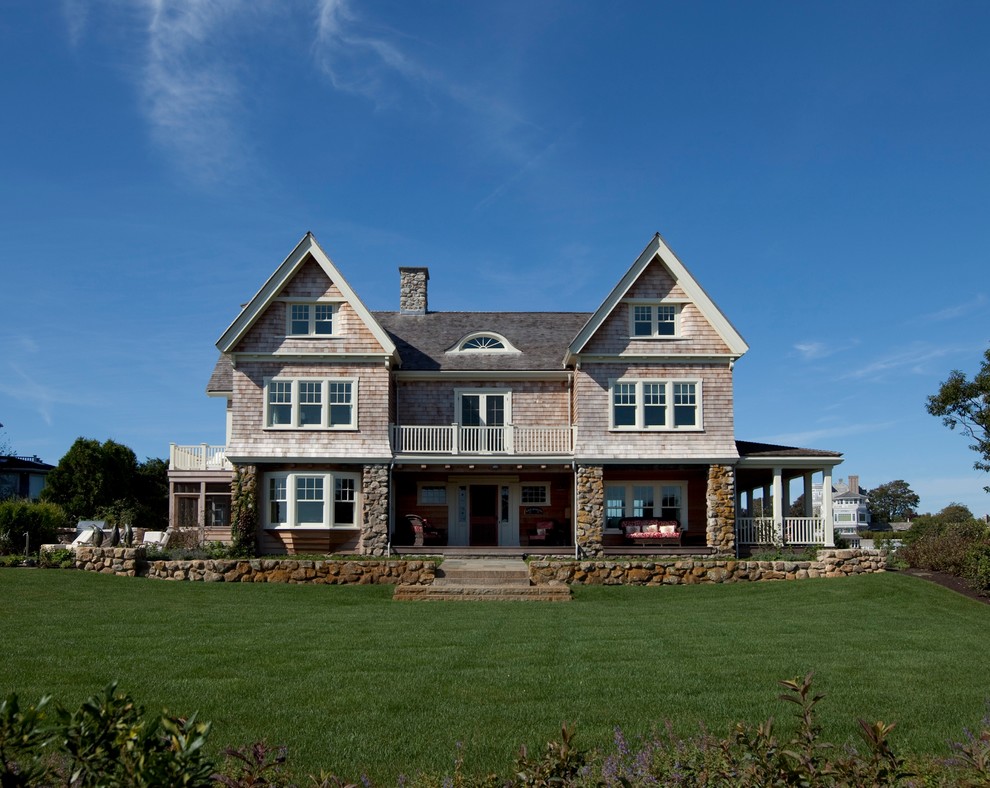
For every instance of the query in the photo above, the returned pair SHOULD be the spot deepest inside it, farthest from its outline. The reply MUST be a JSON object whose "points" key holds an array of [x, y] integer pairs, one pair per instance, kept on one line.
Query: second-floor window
{"points": [[656, 405], [310, 320], [311, 403]]}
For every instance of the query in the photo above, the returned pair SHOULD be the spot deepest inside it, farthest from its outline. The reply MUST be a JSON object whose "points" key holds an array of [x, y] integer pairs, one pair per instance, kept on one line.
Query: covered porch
{"points": [[770, 479]]}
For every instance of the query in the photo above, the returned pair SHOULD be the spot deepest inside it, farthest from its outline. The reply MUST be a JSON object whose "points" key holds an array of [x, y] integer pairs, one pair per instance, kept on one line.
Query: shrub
{"points": [[57, 559], [40, 521], [960, 549]]}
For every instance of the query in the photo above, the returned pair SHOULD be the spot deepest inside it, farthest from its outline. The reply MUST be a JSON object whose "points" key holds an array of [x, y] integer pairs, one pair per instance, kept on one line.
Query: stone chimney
{"points": [[412, 290], [854, 484]]}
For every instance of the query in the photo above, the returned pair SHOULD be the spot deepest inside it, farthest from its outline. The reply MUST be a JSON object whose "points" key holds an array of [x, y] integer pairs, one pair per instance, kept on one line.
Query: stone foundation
{"points": [[692, 571]]}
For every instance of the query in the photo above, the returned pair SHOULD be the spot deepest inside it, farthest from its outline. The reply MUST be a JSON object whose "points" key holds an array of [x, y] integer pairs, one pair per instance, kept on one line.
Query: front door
{"points": [[484, 515]]}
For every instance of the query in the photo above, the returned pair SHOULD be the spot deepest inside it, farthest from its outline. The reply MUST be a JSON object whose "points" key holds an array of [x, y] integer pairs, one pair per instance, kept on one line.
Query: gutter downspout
{"points": [[577, 548]]}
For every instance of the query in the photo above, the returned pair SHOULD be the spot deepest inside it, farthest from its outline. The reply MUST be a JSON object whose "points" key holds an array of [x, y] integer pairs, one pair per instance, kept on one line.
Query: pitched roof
{"points": [[222, 379], [307, 248], [654, 249], [423, 341], [13, 464]]}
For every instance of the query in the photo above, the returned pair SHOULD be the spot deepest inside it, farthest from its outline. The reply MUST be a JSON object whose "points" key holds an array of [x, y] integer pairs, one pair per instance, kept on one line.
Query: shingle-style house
{"points": [[22, 477], [535, 431]]}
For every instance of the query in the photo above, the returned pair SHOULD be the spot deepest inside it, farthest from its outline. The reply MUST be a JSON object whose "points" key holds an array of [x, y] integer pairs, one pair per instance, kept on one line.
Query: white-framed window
{"points": [[432, 494], [664, 500], [302, 499], [656, 405], [311, 403], [534, 494], [310, 320], [654, 320], [483, 342]]}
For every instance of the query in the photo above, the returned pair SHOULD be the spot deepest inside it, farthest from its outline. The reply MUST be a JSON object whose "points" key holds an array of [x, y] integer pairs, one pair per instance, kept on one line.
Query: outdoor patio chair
{"points": [[423, 532]]}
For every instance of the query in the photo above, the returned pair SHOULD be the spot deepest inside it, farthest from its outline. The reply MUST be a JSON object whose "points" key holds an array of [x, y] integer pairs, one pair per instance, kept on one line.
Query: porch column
{"points": [[827, 521], [809, 494], [721, 530], [201, 518], [590, 509], [374, 510], [778, 503]]}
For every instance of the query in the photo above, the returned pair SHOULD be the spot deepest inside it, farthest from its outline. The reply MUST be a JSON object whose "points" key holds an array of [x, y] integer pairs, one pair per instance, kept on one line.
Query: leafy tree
{"points": [[965, 404], [892, 501], [105, 481], [955, 513], [797, 507]]}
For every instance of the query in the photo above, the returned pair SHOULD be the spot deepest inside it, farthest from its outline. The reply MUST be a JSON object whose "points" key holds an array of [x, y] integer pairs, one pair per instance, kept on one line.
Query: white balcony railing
{"points": [[200, 457], [793, 530], [458, 439]]}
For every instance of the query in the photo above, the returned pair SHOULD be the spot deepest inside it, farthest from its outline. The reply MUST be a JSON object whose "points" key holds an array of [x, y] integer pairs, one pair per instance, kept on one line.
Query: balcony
{"points": [[199, 457], [456, 439], [791, 531]]}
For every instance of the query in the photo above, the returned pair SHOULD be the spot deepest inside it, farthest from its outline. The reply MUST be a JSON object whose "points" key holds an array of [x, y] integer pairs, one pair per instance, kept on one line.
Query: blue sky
{"points": [[823, 169]]}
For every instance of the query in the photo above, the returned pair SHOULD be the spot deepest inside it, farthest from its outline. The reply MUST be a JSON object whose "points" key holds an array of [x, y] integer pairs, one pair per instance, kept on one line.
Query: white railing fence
{"points": [[198, 457], [458, 439], [793, 531]]}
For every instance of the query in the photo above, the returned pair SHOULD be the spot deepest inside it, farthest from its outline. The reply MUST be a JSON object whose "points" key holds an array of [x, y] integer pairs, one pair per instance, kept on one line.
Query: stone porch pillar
{"points": [[590, 509], [721, 529], [374, 520]]}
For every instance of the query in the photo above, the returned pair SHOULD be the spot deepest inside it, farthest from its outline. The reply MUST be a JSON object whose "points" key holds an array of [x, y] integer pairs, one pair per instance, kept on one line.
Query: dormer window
{"points": [[655, 320], [309, 320], [483, 342]]}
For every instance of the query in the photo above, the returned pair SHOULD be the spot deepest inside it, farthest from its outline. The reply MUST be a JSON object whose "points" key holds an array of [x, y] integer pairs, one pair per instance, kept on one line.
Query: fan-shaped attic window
{"points": [[483, 342]]}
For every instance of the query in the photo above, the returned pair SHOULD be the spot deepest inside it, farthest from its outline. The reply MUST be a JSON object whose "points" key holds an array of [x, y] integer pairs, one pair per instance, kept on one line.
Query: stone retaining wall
{"points": [[690, 571], [133, 563]]}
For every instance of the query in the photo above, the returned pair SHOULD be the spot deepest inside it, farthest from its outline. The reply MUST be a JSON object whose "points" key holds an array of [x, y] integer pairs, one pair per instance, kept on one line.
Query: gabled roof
{"points": [[306, 248], [424, 341], [658, 248]]}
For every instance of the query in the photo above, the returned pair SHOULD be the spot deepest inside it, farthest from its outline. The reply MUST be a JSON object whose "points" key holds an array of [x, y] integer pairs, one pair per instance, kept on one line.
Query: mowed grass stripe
{"points": [[354, 682]]}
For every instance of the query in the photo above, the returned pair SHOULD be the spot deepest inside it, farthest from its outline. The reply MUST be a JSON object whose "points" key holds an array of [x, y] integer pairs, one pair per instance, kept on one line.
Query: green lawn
{"points": [[354, 682]]}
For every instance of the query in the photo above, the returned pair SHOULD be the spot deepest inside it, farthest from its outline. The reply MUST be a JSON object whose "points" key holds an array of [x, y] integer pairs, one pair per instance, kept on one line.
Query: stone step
{"points": [[479, 572], [479, 593]]}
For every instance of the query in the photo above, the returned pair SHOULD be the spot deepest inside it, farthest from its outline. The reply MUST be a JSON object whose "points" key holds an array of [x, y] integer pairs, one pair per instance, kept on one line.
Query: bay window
{"points": [[300, 500]]}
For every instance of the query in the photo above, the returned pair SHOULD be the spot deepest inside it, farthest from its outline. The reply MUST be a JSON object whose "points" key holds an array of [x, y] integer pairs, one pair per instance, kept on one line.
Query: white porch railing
{"points": [[793, 530], [200, 457], [458, 439]]}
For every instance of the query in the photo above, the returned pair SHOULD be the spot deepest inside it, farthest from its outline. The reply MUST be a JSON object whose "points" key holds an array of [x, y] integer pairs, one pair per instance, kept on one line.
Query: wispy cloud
{"points": [[76, 16], [23, 387], [913, 359], [810, 351], [365, 59], [959, 310], [809, 437], [190, 90]]}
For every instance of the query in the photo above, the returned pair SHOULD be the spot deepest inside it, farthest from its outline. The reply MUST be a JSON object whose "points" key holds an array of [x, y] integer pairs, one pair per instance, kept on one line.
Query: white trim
{"points": [[459, 394], [307, 247], [654, 307], [328, 480], [458, 346], [311, 320], [657, 485], [545, 486], [295, 404], [669, 405]]}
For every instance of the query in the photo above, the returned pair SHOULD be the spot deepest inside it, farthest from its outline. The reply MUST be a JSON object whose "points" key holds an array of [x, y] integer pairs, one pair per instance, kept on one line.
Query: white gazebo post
{"points": [[809, 494], [778, 504], [827, 522]]}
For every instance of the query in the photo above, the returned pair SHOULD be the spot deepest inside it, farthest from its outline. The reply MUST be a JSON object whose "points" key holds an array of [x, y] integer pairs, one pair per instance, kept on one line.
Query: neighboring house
{"points": [[850, 508], [22, 477], [490, 425]]}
